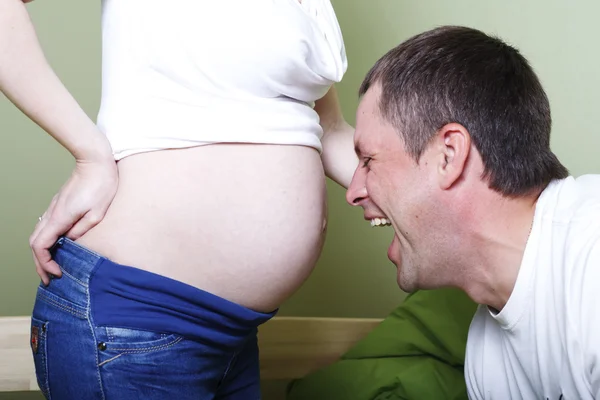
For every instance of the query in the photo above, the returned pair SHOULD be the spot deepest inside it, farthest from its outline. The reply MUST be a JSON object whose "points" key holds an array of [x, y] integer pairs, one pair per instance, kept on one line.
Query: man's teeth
{"points": [[380, 222]]}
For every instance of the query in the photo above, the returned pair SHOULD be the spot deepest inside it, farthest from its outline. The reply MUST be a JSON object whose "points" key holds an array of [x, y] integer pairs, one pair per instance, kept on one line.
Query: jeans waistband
{"points": [[128, 297], [74, 259]]}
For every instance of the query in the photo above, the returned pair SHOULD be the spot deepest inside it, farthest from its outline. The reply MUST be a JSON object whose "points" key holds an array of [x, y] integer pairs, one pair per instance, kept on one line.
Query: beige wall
{"points": [[353, 277]]}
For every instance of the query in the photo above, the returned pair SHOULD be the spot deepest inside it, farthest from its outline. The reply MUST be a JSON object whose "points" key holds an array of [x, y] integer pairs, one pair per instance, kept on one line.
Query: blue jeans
{"points": [[109, 331]]}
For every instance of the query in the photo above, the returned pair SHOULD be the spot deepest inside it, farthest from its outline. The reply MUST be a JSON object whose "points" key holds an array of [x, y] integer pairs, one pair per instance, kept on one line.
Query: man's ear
{"points": [[454, 145]]}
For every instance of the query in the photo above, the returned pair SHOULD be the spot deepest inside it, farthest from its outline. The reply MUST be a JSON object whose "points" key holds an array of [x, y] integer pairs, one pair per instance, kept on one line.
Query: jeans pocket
{"points": [[58, 303], [115, 342], [38, 344]]}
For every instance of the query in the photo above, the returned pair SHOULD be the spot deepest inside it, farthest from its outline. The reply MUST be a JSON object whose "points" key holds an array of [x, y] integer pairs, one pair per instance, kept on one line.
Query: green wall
{"points": [[354, 277]]}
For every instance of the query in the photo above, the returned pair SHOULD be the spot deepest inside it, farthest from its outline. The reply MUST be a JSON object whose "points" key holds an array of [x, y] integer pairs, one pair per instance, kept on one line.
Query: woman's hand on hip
{"points": [[80, 205]]}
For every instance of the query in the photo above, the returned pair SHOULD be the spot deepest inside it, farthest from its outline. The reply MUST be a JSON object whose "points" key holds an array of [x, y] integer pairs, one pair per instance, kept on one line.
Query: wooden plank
{"points": [[16, 362], [290, 347]]}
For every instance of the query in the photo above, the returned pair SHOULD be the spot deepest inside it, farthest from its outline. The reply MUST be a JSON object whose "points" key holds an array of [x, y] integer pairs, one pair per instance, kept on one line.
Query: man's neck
{"points": [[497, 239]]}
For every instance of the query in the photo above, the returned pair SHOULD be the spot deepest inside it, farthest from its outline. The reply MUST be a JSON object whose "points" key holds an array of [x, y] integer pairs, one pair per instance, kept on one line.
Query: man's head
{"points": [[445, 112]]}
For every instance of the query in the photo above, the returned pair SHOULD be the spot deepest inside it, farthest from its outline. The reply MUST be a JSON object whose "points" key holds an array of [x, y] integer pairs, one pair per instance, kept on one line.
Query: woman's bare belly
{"points": [[245, 222]]}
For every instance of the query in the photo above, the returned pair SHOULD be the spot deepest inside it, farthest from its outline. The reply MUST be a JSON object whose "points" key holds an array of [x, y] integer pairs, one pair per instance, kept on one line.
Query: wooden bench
{"points": [[290, 347]]}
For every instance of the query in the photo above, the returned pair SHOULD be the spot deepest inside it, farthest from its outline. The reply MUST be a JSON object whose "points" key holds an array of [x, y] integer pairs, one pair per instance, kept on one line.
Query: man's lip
{"points": [[370, 217]]}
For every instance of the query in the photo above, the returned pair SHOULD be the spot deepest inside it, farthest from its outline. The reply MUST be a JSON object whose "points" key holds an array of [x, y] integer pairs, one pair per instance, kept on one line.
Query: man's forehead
{"points": [[369, 102], [368, 119]]}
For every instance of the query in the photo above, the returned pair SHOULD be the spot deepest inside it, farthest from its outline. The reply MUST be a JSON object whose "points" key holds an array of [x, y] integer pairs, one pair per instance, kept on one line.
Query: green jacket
{"points": [[417, 352]]}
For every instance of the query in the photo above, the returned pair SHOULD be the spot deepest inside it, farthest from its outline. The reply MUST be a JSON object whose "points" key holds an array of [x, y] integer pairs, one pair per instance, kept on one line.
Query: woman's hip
{"points": [[107, 328]]}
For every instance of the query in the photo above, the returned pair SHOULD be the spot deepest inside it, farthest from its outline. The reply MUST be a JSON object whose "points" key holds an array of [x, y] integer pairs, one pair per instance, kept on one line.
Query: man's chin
{"points": [[405, 285], [407, 289]]}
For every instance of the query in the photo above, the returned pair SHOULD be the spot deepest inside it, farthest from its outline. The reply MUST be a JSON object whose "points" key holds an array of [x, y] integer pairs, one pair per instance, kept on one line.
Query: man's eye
{"points": [[366, 162]]}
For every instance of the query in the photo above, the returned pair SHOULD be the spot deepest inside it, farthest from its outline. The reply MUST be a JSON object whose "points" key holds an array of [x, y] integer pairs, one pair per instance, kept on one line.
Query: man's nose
{"points": [[357, 190]]}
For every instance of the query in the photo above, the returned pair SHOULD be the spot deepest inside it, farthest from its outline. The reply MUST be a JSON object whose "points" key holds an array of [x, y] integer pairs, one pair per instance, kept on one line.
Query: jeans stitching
{"points": [[46, 389], [72, 277], [109, 360], [85, 249], [146, 349], [162, 347], [91, 325], [63, 307]]}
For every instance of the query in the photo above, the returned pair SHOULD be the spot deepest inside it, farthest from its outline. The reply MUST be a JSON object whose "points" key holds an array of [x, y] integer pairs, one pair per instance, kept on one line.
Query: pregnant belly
{"points": [[244, 222]]}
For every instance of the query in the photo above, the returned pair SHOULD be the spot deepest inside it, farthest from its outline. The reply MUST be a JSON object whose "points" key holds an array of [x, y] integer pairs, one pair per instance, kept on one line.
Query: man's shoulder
{"points": [[588, 186], [572, 240], [583, 185], [572, 200], [571, 230]]}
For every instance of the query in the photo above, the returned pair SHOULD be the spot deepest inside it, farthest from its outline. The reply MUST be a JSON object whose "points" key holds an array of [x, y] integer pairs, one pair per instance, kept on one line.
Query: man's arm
{"points": [[339, 158]]}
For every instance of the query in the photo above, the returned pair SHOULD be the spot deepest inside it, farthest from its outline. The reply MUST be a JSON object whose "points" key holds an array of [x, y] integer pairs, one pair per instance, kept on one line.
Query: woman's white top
{"points": [[183, 73]]}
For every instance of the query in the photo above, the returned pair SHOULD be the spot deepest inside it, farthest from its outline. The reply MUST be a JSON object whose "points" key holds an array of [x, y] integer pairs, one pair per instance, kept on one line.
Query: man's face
{"points": [[389, 184]]}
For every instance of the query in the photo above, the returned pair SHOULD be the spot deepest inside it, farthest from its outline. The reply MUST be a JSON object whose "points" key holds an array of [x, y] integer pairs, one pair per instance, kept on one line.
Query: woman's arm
{"points": [[339, 158], [29, 82]]}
